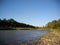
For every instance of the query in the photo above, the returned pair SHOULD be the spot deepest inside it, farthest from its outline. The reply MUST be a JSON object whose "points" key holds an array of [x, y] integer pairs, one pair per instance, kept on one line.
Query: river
{"points": [[19, 36]]}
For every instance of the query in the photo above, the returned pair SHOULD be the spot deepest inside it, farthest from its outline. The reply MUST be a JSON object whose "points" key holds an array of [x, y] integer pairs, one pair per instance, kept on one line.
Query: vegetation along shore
{"points": [[11, 24], [51, 38]]}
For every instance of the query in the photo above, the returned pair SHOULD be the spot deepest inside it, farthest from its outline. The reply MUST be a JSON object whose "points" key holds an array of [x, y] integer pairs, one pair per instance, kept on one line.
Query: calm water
{"points": [[19, 36]]}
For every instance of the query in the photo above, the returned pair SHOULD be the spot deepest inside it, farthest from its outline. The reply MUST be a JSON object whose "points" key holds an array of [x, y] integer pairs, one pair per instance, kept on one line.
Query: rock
{"points": [[52, 38]]}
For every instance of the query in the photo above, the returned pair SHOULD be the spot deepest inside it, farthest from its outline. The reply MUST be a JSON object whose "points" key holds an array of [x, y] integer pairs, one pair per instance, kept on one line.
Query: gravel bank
{"points": [[52, 38]]}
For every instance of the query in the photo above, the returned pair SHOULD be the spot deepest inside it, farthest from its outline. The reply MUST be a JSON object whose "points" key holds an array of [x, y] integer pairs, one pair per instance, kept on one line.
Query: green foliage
{"points": [[55, 24], [11, 23]]}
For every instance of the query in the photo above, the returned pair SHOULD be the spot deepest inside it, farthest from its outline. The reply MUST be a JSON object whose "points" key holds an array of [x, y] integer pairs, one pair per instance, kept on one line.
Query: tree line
{"points": [[55, 24], [12, 23]]}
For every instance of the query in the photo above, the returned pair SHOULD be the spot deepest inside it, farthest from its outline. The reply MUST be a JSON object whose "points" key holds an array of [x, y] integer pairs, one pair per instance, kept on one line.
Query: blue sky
{"points": [[33, 12]]}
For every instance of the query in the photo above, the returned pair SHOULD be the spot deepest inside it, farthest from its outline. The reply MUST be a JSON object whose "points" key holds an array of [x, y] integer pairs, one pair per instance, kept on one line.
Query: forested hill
{"points": [[10, 23], [55, 24]]}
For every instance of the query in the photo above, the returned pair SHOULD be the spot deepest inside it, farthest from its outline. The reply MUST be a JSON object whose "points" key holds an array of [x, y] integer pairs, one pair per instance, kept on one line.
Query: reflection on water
{"points": [[20, 36]]}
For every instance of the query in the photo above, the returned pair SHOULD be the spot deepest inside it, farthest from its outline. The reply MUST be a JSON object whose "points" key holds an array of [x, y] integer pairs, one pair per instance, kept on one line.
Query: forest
{"points": [[55, 24], [12, 24]]}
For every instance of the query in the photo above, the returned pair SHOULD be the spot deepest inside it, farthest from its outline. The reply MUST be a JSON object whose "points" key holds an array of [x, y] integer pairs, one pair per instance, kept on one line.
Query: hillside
{"points": [[12, 24]]}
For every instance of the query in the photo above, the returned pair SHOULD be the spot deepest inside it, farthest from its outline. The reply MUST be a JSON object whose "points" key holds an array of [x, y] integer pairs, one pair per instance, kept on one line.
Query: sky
{"points": [[33, 12]]}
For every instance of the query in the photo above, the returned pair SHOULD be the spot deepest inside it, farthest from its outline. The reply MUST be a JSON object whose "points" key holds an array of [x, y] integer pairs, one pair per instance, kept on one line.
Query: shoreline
{"points": [[51, 38]]}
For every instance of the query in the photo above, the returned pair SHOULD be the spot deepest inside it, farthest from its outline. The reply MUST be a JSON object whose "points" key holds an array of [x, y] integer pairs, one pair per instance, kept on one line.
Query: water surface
{"points": [[18, 36]]}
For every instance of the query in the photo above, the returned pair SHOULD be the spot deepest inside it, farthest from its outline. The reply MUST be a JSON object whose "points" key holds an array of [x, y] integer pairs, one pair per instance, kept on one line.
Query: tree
{"points": [[55, 24], [11, 23]]}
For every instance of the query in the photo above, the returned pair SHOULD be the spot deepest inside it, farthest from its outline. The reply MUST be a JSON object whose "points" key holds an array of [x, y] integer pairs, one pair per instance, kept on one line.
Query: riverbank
{"points": [[15, 28], [52, 38]]}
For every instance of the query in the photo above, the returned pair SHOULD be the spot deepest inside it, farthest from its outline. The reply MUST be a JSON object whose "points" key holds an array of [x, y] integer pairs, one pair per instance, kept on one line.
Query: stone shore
{"points": [[52, 38]]}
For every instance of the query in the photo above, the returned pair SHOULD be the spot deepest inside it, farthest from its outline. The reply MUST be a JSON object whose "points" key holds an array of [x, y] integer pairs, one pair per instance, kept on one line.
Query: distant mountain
{"points": [[11, 23]]}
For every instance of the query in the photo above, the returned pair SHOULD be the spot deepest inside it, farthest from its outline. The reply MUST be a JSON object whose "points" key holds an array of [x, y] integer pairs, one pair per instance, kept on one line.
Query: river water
{"points": [[19, 36]]}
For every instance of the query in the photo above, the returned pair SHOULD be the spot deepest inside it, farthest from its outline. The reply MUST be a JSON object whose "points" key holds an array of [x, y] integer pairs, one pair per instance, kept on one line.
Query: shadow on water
{"points": [[20, 37], [23, 43]]}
